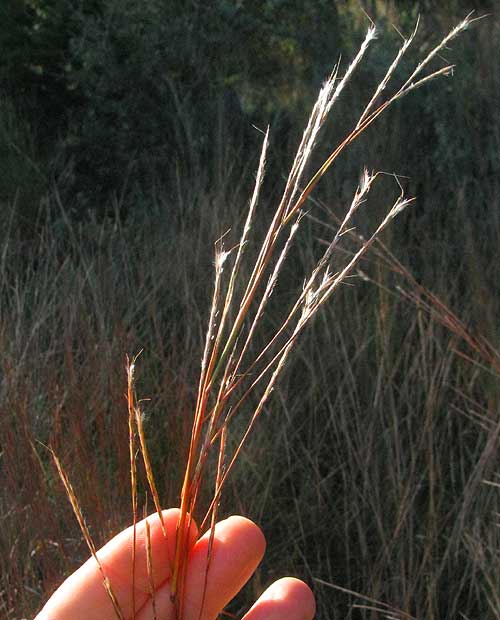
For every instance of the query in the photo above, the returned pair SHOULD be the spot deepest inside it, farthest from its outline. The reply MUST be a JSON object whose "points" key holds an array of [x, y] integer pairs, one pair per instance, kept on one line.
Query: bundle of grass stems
{"points": [[234, 374]]}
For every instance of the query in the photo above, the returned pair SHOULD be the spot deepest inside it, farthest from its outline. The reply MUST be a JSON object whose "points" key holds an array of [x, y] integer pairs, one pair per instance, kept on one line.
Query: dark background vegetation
{"points": [[128, 143]]}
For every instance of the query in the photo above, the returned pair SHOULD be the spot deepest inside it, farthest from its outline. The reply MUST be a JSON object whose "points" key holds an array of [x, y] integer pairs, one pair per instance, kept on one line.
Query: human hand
{"points": [[237, 550]]}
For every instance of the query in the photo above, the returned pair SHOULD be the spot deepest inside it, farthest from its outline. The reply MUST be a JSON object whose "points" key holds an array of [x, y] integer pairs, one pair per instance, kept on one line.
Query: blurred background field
{"points": [[128, 144]]}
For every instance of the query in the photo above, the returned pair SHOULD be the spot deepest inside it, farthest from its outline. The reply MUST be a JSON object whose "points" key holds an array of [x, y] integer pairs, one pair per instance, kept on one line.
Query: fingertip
{"points": [[162, 533], [170, 518], [246, 530], [287, 598], [302, 594]]}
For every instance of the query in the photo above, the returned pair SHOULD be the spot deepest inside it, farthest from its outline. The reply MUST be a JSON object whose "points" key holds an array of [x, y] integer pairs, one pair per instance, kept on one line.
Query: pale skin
{"points": [[237, 550]]}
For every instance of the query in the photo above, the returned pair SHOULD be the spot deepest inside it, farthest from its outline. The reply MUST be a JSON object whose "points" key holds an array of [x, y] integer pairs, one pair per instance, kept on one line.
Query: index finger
{"points": [[83, 596]]}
